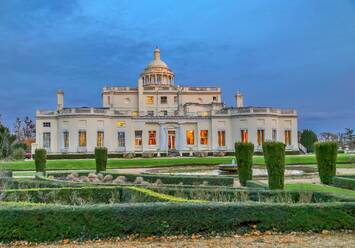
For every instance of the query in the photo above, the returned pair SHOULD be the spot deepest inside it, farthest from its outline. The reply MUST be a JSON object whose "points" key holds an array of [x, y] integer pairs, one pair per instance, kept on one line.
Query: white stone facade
{"points": [[159, 117]]}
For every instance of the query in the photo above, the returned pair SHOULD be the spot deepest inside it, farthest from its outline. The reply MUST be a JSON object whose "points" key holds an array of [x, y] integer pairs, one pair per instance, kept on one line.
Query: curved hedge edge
{"points": [[344, 182], [161, 196]]}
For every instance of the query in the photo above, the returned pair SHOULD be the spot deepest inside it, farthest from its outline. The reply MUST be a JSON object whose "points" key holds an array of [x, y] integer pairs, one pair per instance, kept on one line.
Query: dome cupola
{"points": [[157, 72]]}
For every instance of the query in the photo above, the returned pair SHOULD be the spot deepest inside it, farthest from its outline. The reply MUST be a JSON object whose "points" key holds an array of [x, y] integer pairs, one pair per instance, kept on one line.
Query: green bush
{"points": [[274, 154], [40, 160], [344, 182], [308, 138], [326, 155], [39, 223], [101, 158], [18, 154], [244, 155]]}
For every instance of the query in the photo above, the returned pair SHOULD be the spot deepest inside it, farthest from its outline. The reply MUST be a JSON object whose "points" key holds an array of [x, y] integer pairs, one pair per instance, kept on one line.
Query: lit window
{"points": [[222, 138], [47, 140], [82, 138], [150, 113], [204, 137], [46, 124], [260, 136], [274, 134], [288, 137], [150, 99], [66, 139], [100, 138], [121, 139], [138, 138], [164, 100], [244, 135], [152, 137], [190, 137]]}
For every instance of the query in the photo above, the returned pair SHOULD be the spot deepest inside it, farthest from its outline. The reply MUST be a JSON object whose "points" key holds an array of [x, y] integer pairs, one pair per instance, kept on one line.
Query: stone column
{"points": [[180, 138], [162, 138]]}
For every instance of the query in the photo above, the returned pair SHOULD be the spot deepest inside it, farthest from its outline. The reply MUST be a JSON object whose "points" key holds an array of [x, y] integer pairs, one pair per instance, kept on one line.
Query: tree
{"points": [[6, 141], [328, 136], [29, 129], [308, 138]]}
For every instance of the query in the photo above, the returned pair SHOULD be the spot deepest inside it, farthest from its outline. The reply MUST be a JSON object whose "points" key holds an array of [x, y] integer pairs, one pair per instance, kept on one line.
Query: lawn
{"points": [[89, 164], [320, 187]]}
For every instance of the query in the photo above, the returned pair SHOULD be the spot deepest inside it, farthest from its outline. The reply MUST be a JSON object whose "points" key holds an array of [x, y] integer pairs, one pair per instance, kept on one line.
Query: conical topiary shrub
{"points": [[274, 155], [244, 156], [326, 155]]}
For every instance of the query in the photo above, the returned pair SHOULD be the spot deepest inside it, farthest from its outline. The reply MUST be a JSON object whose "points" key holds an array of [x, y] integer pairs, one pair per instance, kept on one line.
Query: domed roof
{"points": [[157, 62]]}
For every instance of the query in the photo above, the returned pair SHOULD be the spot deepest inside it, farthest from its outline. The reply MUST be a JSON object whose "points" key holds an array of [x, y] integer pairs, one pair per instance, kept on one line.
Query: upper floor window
{"points": [[65, 139], [288, 137], [47, 140], [46, 124], [100, 138], [138, 137], [163, 99], [260, 136], [152, 137], [150, 99], [214, 99], [221, 138], [121, 139], [204, 137], [190, 137], [82, 138], [244, 135]]}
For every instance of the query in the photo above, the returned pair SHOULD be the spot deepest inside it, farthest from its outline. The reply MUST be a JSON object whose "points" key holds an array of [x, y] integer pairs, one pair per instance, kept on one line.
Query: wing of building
{"points": [[160, 117]]}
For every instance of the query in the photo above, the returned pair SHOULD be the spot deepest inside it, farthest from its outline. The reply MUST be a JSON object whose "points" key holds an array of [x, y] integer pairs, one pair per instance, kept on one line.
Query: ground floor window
{"points": [[190, 137], [65, 139], [100, 138], [152, 137], [260, 136], [245, 136], [288, 137], [82, 138], [204, 137], [138, 138], [47, 140], [274, 134], [121, 139], [221, 138]]}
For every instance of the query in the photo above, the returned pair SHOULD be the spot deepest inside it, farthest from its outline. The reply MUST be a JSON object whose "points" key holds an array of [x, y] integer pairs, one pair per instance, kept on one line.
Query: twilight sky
{"points": [[292, 54]]}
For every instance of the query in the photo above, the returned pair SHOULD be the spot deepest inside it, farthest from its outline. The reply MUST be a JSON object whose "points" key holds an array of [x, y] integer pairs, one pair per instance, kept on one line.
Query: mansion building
{"points": [[159, 116]]}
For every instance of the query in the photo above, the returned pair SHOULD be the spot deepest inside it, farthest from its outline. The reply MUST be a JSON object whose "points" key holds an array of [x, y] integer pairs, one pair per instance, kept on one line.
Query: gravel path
{"points": [[334, 239]]}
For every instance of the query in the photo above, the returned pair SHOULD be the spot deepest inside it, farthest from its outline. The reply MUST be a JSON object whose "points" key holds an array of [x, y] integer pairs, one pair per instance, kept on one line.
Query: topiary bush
{"points": [[18, 154], [244, 155], [326, 155], [274, 155], [40, 160], [101, 158]]}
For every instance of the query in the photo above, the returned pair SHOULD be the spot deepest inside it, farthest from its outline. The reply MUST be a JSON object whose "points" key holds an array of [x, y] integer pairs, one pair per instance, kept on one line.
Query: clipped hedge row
{"points": [[12, 183], [346, 182], [56, 222]]}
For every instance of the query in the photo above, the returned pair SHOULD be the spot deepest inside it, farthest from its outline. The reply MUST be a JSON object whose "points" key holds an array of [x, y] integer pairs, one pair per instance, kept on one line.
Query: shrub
{"points": [[344, 182], [101, 158], [18, 154], [40, 160], [308, 138], [274, 154], [244, 155], [326, 155]]}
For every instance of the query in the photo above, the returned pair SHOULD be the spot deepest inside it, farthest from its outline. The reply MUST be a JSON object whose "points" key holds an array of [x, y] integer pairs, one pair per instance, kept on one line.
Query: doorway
{"points": [[171, 140]]}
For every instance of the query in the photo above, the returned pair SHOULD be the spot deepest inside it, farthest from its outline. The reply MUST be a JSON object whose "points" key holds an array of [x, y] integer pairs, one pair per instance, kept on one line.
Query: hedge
{"points": [[100, 158], [40, 160], [274, 154], [256, 184], [56, 222], [346, 182], [244, 155], [326, 155], [5, 173]]}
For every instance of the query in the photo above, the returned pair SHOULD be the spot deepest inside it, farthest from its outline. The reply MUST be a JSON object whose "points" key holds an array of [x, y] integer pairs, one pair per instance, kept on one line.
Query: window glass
{"points": [[150, 99], [82, 138], [190, 137], [288, 137], [66, 139], [47, 140], [164, 100], [121, 139], [152, 137], [221, 138], [100, 138], [204, 137], [138, 138], [46, 124], [260, 136], [244, 135], [274, 135]]}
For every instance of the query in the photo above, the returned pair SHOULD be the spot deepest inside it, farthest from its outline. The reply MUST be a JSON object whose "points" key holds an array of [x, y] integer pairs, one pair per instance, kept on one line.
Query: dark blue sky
{"points": [[290, 54]]}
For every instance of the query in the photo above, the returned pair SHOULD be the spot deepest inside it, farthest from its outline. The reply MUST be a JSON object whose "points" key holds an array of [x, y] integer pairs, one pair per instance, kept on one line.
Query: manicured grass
{"points": [[320, 187], [89, 164]]}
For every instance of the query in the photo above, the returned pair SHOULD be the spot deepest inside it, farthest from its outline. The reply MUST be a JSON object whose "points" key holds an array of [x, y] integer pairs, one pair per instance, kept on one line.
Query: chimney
{"points": [[239, 99], [60, 100]]}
